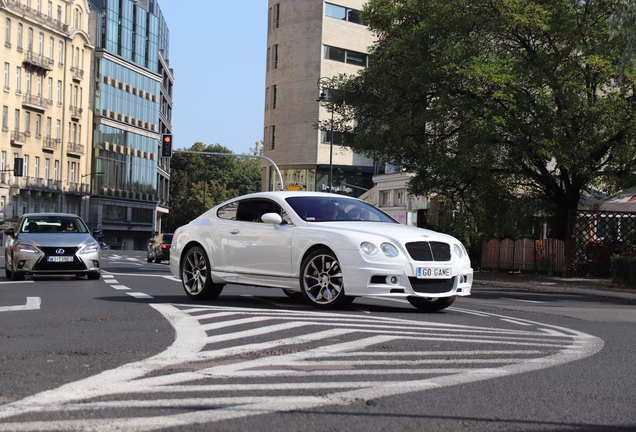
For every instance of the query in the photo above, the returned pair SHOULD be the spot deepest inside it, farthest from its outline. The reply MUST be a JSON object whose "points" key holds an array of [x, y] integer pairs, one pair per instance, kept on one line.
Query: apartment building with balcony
{"points": [[132, 107], [46, 53], [308, 43]]}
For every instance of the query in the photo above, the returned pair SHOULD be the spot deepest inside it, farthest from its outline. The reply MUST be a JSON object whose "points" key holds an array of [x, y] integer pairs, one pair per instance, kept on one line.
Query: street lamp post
{"points": [[85, 199], [324, 98]]}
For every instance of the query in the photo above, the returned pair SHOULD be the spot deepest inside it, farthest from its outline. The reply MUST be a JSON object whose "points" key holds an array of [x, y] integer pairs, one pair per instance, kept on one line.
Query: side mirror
{"points": [[272, 218], [2, 217], [97, 232], [10, 232]]}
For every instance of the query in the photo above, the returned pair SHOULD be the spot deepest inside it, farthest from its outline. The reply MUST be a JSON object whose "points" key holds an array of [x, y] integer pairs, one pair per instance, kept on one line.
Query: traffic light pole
{"points": [[280, 177]]}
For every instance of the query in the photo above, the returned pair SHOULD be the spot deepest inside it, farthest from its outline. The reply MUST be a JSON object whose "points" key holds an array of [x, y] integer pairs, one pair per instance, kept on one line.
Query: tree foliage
{"points": [[199, 182], [503, 107]]}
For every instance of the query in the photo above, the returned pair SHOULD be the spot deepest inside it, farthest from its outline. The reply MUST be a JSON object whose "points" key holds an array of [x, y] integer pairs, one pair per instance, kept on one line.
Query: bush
{"points": [[624, 270]]}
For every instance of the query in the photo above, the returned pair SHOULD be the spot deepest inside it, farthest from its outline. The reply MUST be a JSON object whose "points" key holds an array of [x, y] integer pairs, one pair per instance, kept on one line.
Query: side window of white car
{"points": [[228, 212], [252, 210]]}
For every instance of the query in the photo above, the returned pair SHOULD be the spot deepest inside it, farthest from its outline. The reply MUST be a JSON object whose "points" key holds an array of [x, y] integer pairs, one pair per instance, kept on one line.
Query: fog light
{"points": [[21, 264], [393, 280]]}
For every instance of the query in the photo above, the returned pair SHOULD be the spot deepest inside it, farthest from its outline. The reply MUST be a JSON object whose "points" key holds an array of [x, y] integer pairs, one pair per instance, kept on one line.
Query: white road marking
{"points": [[32, 303], [332, 359], [17, 282], [520, 300], [139, 295], [120, 287]]}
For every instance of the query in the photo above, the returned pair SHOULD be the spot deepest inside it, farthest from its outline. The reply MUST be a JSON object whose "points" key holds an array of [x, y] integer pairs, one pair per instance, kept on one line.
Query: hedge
{"points": [[624, 270]]}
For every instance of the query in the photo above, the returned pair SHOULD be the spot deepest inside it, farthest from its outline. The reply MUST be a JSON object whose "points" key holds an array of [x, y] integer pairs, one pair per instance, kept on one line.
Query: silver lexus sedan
{"points": [[51, 243]]}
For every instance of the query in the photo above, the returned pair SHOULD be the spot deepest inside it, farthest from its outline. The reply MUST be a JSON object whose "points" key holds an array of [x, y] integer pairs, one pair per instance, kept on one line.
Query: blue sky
{"points": [[217, 52]]}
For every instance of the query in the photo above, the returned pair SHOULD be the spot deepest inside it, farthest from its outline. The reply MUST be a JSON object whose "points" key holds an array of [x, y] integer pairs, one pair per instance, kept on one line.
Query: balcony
{"points": [[18, 139], [78, 74], [50, 144], [75, 149], [37, 63], [76, 113], [22, 9], [35, 102]]}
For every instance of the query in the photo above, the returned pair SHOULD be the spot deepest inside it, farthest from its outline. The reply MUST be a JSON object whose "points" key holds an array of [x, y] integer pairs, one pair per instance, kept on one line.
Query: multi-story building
{"points": [[308, 43], [46, 123], [132, 89]]}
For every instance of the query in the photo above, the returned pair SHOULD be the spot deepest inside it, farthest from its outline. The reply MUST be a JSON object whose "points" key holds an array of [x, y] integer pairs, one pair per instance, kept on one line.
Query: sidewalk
{"points": [[537, 282]]}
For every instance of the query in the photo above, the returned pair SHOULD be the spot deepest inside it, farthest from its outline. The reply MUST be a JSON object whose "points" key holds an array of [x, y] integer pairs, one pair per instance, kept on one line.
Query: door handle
{"points": [[234, 231]]}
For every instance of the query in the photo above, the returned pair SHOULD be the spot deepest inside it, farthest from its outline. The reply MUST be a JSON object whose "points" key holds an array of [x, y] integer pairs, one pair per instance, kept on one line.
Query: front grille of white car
{"points": [[432, 286], [429, 251]]}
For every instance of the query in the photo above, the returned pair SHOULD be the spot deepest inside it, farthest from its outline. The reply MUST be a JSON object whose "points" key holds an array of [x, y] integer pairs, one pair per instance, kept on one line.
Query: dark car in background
{"points": [[159, 247]]}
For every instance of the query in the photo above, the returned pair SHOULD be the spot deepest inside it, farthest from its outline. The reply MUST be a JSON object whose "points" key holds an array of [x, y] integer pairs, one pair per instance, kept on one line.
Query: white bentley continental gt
{"points": [[324, 247]]}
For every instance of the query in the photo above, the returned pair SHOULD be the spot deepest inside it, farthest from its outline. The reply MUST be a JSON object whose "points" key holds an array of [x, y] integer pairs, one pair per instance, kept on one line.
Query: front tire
{"points": [[94, 275], [195, 276], [431, 304], [321, 280]]}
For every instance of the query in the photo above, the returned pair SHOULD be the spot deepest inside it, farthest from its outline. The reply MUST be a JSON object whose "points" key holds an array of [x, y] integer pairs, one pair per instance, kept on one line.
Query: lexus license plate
{"points": [[433, 273], [60, 259]]}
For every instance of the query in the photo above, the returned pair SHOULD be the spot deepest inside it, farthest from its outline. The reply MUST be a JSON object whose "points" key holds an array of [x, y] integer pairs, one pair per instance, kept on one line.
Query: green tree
{"points": [[500, 106], [199, 182]]}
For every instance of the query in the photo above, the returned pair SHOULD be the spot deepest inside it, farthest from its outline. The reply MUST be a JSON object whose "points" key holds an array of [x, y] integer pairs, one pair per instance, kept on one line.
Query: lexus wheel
{"points": [[431, 304], [195, 276], [321, 281]]}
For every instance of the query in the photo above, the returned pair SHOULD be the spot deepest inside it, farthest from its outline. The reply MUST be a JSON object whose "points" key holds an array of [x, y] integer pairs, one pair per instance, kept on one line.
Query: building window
{"points": [[385, 198], [59, 93], [51, 50], [7, 33], [36, 167], [325, 137], [276, 16], [38, 126], [50, 93], [6, 76], [5, 118], [346, 56], [18, 79], [60, 53], [274, 96], [273, 137], [275, 54], [56, 170], [26, 165], [27, 123], [342, 13], [16, 120], [19, 37]]}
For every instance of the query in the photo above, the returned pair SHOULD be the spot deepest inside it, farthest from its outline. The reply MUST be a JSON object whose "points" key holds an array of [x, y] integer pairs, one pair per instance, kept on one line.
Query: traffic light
{"points": [[357, 175], [339, 177], [166, 145], [18, 167]]}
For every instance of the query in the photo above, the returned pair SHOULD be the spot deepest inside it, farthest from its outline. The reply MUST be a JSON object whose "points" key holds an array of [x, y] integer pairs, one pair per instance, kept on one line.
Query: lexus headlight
{"points": [[25, 248], [94, 247]]}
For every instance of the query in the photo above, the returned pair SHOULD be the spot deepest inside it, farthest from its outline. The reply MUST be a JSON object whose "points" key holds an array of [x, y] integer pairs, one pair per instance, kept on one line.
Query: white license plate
{"points": [[433, 273], [60, 259]]}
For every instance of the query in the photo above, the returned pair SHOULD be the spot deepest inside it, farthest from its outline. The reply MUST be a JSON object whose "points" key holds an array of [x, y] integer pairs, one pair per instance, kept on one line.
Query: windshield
{"points": [[53, 224], [321, 209]]}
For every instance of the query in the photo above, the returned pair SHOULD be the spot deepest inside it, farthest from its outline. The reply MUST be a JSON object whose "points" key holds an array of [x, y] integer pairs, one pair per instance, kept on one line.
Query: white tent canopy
{"points": [[622, 202]]}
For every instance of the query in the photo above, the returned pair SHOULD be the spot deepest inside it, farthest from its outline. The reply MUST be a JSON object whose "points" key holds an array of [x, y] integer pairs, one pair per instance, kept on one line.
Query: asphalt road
{"points": [[132, 352]]}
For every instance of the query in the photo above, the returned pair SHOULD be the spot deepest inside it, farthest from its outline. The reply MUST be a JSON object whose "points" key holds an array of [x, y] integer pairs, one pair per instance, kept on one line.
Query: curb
{"points": [[556, 287]]}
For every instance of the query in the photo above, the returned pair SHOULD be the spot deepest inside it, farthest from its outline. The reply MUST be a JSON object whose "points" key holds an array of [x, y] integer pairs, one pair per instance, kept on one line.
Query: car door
{"points": [[258, 248]]}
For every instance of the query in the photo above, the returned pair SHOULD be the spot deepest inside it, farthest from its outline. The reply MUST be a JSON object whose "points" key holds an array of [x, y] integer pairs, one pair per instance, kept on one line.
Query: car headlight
{"points": [[458, 250], [368, 248], [389, 250], [93, 247], [25, 248]]}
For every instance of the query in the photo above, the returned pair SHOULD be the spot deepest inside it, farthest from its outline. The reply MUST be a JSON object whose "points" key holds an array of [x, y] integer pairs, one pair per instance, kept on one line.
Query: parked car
{"points": [[324, 247], [159, 247], [51, 243]]}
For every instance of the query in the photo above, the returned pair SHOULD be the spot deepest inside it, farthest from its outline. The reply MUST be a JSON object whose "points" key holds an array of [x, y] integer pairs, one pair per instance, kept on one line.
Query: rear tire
{"points": [[431, 304], [295, 295], [195, 276]]}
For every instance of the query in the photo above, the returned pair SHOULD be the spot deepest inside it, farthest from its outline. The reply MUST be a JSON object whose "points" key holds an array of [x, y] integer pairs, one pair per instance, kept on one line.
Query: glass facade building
{"points": [[129, 71]]}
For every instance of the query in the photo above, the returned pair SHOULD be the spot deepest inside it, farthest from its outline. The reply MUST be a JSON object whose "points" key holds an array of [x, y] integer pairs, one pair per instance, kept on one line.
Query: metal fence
{"points": [[595, 236]]}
